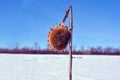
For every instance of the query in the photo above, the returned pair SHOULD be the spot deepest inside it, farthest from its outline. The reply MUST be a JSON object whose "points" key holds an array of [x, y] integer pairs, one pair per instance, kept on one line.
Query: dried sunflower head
{"points": [[58, 37]]}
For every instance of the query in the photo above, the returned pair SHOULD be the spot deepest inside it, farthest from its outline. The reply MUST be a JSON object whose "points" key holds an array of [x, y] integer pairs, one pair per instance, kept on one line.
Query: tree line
{"points": [[91, 51]]}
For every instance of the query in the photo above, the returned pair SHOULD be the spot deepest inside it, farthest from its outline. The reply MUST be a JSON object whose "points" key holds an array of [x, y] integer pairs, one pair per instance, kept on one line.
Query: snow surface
{"points": [[55, 67]]}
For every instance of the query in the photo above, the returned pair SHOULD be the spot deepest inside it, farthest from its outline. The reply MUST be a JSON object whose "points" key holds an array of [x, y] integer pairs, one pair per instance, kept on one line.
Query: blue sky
{"points": [[96, 22]]}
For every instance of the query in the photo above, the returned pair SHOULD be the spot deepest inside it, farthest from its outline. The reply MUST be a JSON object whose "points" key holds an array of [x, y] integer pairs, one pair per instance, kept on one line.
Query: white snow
{"points": [[55, 67]]}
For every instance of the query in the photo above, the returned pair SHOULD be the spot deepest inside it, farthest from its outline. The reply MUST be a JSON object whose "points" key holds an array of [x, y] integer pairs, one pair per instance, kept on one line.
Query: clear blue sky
{"points": [[96, 22]]}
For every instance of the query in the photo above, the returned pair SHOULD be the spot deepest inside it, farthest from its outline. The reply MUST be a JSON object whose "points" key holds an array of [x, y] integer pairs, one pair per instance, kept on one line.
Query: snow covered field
{"points": [[55, 67]]}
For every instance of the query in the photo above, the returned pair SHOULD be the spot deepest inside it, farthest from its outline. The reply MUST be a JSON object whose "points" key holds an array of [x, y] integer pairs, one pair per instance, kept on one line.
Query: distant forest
{"points": [[91, 51]]}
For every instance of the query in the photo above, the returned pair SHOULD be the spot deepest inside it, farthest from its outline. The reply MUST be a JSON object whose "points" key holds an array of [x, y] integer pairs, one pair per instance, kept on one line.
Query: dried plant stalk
{"points": [[69, 10]]}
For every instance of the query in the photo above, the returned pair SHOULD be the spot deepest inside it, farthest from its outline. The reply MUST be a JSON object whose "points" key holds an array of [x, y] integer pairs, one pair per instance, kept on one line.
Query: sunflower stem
{"points": [[70, 44], [70, 40]]}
